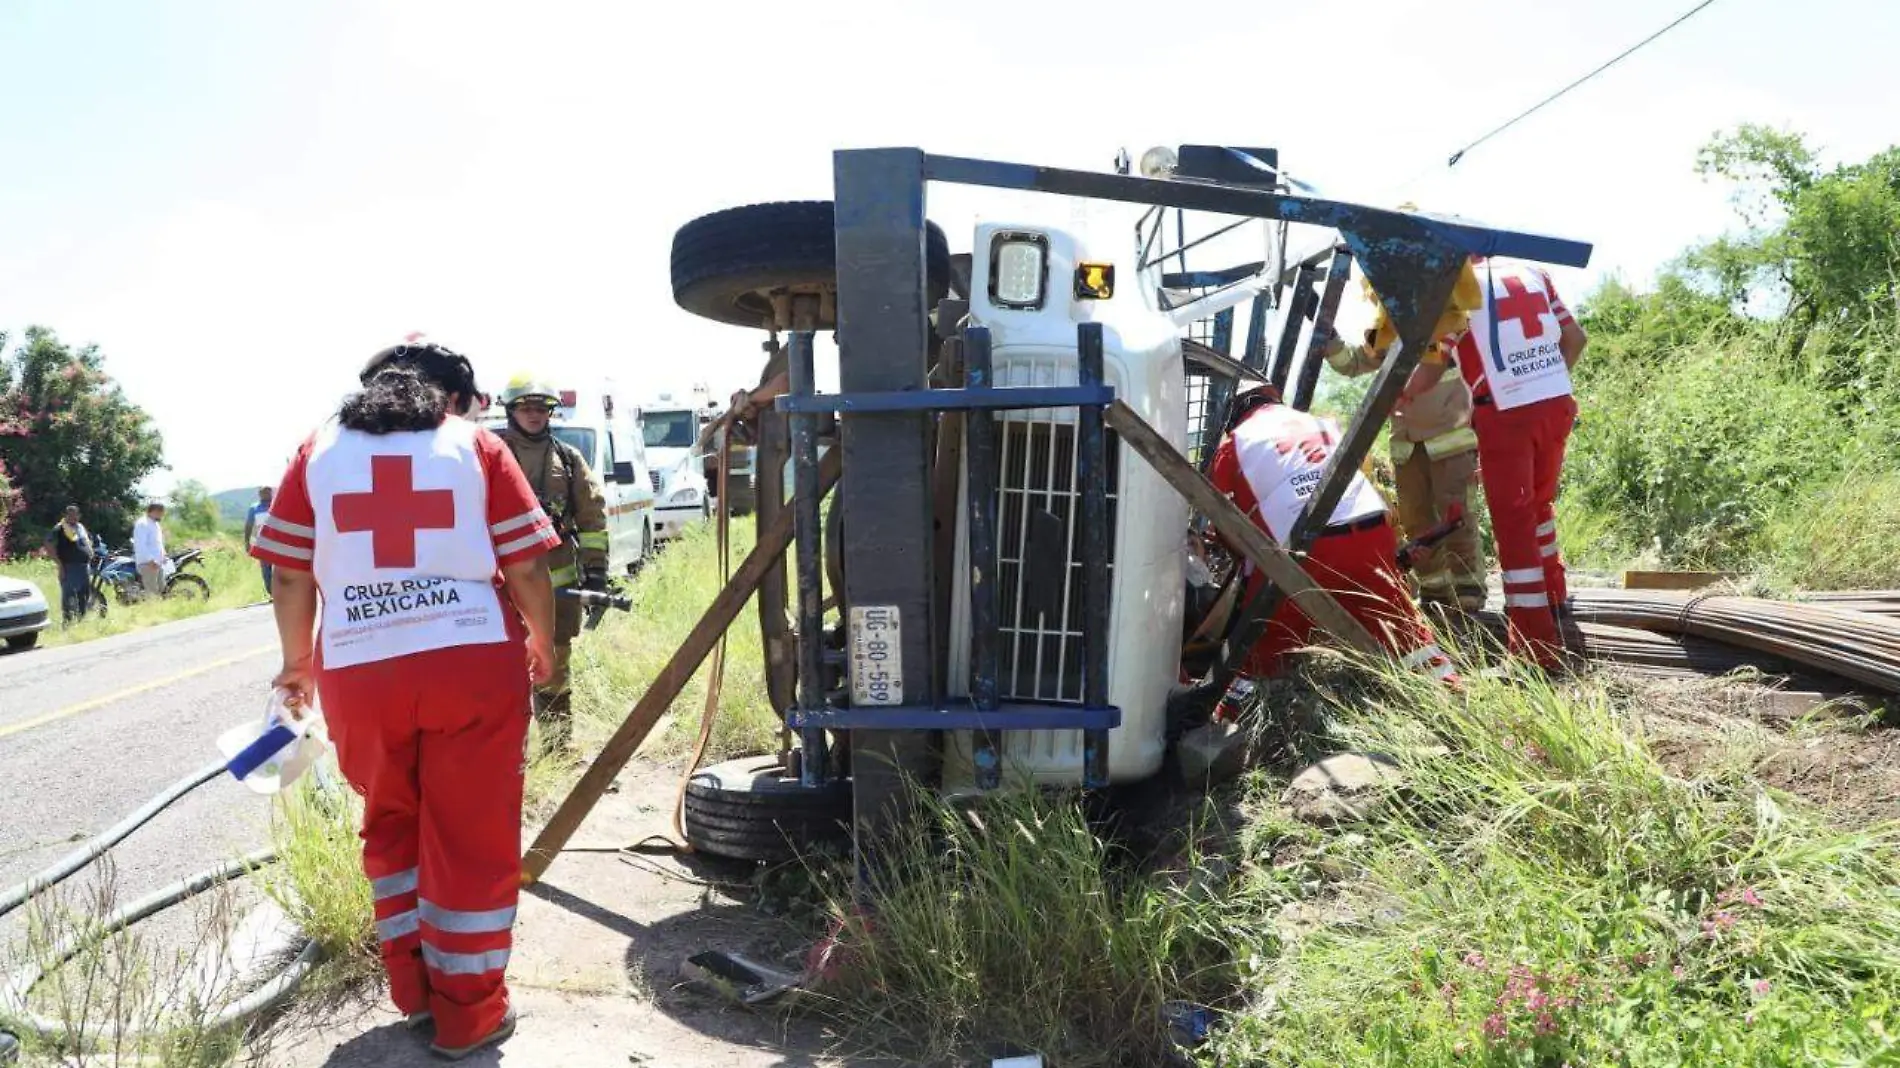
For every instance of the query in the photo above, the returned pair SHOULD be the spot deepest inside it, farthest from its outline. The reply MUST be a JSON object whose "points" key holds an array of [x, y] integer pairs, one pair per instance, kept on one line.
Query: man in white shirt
{"points": [[148, 548]]}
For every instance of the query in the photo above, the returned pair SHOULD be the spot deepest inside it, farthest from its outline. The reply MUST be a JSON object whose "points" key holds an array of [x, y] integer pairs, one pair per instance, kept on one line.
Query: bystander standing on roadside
{"points": [[73, 548], [251, 519], [148, 548]]}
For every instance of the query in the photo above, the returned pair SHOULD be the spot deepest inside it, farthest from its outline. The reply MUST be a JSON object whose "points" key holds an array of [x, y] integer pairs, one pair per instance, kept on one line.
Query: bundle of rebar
{"points": [[1660, 655], [1822, 636], [1872, 602]]}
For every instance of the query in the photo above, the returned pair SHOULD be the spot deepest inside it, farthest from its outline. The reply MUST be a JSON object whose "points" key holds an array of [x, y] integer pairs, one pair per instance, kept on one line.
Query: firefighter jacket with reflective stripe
{"points": [[572, 497], [1439, 419]]}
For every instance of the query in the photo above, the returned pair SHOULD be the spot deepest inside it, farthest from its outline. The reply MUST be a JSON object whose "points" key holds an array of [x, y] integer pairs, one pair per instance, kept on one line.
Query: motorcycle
{"points": [[118, 573]]}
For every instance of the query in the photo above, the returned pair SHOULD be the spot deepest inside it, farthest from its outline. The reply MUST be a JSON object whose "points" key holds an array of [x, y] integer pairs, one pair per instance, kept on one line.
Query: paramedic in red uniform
{"points": [[1516, 355], [1270, 463], [419, 531]]}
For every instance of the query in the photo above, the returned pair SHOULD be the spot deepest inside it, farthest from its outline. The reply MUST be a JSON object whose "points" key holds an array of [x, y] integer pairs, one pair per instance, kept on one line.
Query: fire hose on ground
{"points": [[16, 988]]}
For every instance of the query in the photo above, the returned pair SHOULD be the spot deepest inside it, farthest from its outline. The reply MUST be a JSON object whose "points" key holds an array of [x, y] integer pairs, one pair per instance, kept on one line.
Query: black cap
{"points": [[439, 364]]}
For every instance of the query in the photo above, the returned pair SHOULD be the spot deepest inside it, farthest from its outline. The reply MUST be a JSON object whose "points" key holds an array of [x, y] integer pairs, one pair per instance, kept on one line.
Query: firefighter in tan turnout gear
{"points": [[1434, 454], [575, 501]]}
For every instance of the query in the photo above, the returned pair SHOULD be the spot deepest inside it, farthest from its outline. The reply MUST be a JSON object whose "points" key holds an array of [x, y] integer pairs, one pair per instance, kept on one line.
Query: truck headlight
{"points": [[1019, 269], [683, 495]]}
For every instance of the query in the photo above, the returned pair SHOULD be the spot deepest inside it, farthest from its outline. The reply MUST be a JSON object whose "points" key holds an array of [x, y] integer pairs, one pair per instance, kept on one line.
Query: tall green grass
{"points": [[1543, 892], [615, 663], [318, 880], [234, 578]]}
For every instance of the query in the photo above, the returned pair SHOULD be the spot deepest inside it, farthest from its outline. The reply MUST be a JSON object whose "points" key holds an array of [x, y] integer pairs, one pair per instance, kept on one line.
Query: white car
{"points": [[23, 613]]}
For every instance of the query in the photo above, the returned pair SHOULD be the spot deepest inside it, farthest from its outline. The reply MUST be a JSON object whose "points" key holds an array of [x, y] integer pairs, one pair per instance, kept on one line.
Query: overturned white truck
{"points": [[1001, 590]]}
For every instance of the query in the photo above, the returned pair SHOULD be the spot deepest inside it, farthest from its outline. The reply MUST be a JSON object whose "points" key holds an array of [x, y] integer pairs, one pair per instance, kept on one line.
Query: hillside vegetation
{"points": [[1745, 414]]}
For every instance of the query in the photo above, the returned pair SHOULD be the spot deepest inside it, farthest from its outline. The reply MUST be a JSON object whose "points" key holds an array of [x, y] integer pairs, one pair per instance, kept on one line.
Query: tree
{"points": [[193, 514], [68, 435], [1823, 243]]}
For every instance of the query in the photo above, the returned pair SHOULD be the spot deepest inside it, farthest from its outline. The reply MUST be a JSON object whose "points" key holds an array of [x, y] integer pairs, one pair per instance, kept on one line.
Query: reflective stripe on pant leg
{"points": [[1506, 464], [471, 781], [1552, 434], [370, 713]]}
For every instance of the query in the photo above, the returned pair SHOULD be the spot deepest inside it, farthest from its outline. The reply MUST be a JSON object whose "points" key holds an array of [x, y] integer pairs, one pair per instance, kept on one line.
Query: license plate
{"points": [[877, 655]]}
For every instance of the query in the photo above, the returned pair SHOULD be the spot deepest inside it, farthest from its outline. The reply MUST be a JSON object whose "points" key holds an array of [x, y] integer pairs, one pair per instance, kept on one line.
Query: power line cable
{"points": [[1625, 54]]}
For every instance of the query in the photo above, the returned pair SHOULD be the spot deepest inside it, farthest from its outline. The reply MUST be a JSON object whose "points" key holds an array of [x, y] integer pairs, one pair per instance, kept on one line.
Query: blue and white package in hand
{"points": [[270, 753]]}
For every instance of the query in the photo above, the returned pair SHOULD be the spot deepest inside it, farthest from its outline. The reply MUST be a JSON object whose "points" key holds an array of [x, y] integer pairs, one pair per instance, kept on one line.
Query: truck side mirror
{"points": [[623, 473]]}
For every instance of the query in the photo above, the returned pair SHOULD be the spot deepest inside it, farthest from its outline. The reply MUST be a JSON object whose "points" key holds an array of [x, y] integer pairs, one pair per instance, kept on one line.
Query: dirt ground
{"points": [[596, 968], [1842, 756]]}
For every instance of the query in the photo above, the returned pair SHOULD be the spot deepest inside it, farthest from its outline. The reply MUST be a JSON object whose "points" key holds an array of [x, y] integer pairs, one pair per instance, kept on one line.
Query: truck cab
{"points": [[610, 440], [672, 432]]}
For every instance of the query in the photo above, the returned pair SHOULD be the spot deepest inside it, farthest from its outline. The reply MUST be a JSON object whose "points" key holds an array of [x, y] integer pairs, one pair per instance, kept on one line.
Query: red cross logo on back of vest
{"points": [[1315, 443], [393, 511], [1526, 307]]}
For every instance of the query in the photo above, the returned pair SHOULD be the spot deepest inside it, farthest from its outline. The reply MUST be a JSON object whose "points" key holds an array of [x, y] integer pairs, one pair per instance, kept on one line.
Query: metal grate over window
{"points": [[1039, 555]]}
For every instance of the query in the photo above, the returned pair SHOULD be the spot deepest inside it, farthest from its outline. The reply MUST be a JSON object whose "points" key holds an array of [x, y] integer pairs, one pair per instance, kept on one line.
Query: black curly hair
{"points": [[407, 387]]}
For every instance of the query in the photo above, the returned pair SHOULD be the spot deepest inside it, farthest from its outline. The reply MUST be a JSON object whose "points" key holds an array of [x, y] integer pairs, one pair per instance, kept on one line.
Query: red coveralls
{"points": [[1270, 464], [1523, 412], [422, 677]]}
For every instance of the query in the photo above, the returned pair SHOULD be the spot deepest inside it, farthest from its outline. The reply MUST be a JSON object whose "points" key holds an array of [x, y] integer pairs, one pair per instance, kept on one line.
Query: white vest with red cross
{"points": [[1513, 340], [1283, 452], [403, 555]]}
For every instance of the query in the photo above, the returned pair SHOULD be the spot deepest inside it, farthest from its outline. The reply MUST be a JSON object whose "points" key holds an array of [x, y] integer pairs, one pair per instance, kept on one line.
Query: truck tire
{"points": [[747, 809], [725, 264]]}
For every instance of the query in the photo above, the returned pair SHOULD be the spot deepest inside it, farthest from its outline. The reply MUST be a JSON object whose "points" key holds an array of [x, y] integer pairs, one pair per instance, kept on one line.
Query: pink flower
{"points": [[1546, 1024], [1476, 960], [1495, 1028], [1679, 972], [1761, 987]]}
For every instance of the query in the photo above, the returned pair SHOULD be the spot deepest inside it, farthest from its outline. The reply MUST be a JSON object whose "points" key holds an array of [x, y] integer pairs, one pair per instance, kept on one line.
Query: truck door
{"points": [[629, 501]]}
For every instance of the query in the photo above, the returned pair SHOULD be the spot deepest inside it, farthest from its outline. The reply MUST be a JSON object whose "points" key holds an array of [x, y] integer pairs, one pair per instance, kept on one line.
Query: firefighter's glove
{"points": [[595, 579]]}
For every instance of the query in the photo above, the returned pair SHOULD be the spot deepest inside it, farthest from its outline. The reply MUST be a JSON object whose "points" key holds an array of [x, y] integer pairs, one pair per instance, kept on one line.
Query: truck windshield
{"points": [[579, 437], [671, 430]]}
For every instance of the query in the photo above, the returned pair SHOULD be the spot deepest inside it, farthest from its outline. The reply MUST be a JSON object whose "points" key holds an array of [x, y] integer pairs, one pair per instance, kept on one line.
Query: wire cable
{"points": [[1533, 109]]}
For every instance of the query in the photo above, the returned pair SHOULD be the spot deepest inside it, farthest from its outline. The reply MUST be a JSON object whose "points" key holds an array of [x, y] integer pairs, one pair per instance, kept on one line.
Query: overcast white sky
{"points": [[241, 201]]}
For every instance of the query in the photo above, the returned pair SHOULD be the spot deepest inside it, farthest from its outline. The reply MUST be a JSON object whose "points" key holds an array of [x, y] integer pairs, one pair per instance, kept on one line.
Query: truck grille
{"points": [[30, 619], [654, 477], [1039, 544]]}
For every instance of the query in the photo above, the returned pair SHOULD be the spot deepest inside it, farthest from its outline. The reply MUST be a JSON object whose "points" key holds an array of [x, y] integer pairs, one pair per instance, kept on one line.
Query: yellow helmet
{"points": [[523, 387]]}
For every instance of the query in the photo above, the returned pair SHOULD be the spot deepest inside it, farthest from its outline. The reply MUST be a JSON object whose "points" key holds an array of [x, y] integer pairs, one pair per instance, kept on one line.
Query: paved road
{"points": [[90, 732]]}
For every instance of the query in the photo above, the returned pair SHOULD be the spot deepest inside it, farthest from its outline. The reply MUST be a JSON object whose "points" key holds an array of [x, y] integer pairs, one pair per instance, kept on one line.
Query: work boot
{"points": [[501, 1033], [1471, 598]]}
